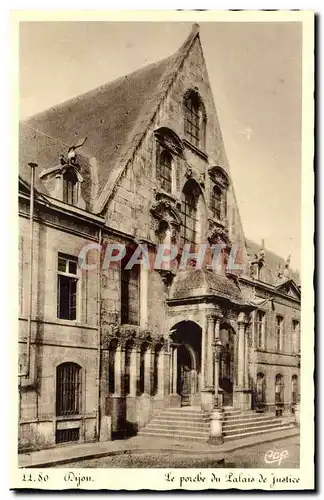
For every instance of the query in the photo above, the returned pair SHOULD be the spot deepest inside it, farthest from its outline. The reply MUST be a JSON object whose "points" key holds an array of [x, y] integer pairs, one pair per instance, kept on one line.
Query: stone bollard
{"points": [[297, 414], [216, 427], [105, 428]]}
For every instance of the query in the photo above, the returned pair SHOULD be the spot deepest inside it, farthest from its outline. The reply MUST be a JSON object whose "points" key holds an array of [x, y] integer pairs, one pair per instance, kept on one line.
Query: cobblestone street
{"points": [[251, 457], [255, 455]]}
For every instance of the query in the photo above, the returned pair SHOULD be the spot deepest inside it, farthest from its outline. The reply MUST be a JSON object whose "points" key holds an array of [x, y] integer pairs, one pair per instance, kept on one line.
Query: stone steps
{"points": [[179, 423], [194, 424]]}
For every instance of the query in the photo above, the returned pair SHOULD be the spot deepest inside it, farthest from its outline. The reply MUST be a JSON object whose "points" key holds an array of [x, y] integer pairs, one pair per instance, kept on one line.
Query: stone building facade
{"points": [[146, 166]]}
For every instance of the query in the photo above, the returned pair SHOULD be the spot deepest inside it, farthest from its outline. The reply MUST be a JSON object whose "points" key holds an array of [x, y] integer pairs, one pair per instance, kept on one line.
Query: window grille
{"points": [[68, 389]]}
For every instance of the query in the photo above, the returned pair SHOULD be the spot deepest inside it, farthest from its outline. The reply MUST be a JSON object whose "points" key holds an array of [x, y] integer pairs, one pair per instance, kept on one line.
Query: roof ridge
{"points": [[181, 53], [194, 32]]}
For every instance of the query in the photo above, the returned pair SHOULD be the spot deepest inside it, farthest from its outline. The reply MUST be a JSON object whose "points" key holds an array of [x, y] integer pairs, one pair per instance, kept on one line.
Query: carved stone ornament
{"points": [[167, 276], [188, 172], [169, 140], [217, 232], [166, 209], [219, 176], [202, 180]]}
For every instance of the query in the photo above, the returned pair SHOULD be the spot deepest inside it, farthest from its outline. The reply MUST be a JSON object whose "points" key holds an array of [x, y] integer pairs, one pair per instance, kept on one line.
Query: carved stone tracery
{"points": [[217, 232], [166, 208]]}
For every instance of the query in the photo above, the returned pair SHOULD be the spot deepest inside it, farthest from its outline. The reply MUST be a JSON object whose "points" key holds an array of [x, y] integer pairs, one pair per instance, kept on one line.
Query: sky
{"points": [[255, 75]]}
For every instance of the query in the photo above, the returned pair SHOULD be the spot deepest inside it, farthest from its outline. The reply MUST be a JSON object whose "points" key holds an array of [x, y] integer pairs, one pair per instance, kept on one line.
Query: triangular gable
{"points": [[290, 288]]}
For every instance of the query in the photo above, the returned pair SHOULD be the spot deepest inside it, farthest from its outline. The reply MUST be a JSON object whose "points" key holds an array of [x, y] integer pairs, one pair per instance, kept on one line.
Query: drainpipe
{"points": [[31, 249], [99, 335]]}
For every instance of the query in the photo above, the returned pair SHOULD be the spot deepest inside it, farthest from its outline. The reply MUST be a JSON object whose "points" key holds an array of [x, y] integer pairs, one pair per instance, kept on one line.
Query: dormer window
{"points": [[70, 187], [194, 119]]}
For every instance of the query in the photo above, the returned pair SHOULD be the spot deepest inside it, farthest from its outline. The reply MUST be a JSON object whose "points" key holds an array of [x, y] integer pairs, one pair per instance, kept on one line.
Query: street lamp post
{"points": [[216, 418]]}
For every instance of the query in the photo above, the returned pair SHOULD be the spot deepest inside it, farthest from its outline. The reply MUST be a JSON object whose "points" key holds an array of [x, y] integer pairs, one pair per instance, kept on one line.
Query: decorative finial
{"points": [[195, 28], [287, 265]]}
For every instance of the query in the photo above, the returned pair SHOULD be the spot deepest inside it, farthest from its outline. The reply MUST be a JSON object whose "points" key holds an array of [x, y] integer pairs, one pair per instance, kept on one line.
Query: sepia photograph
{"points": [[160, 279]]}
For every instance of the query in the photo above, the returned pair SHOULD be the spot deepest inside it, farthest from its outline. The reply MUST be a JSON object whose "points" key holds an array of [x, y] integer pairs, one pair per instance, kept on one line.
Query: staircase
{"points": [[241, 424], [187, 422], [194, 424]]}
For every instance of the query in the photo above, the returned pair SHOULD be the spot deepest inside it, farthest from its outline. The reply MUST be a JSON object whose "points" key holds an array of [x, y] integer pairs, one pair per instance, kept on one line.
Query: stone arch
{"points": [[185, 342]]}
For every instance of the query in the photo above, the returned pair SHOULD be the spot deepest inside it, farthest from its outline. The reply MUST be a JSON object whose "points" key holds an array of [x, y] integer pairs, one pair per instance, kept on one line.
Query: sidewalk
{"points": [[142, 444]]}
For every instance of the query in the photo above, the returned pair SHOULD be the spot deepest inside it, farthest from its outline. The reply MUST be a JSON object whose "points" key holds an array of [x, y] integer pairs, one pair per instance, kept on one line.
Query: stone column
{"points": [[147, 370], [246, 359], [241, 354], [160, 373], [134, 371], [242, 397], [203, 356], [217, 352], [209, 350], [174, 370], [119, 370]]}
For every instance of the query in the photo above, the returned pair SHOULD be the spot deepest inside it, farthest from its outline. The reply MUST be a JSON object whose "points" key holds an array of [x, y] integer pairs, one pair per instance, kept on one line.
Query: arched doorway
{"points": [[185, 343], [184, 375], [227, 368]]}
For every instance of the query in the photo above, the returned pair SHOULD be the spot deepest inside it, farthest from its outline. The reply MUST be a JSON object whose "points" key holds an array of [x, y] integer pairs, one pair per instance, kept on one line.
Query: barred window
{"points": [[194, 120], [165, 166], [279, 388], [260, 329], [188, 233], [279, 332], [68, 389], [67, 287], [70, 187]]}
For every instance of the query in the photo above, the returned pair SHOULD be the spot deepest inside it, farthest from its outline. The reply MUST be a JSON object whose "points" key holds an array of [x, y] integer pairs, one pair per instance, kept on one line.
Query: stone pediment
{"points": [[219, 176], [169, 140], [290, 288]]}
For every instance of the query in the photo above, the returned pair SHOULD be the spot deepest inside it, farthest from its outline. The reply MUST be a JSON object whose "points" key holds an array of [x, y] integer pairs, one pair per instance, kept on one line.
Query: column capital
{"points": [[242, 319], [214, 315]]}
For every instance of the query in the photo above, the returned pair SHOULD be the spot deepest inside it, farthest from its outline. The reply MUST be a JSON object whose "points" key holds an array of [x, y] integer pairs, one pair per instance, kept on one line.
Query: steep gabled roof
{"points": [[273, 263], [114, 117]]}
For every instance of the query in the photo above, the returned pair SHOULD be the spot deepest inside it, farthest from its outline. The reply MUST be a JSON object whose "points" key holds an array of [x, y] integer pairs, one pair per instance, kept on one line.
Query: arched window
{"points": [[111, 367], [260, 388], [194, 120], [165, 166], [279, 388], [70, 182], [216, 202], [189, 215], [128, 353], [294, 389], [68, 389]]}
